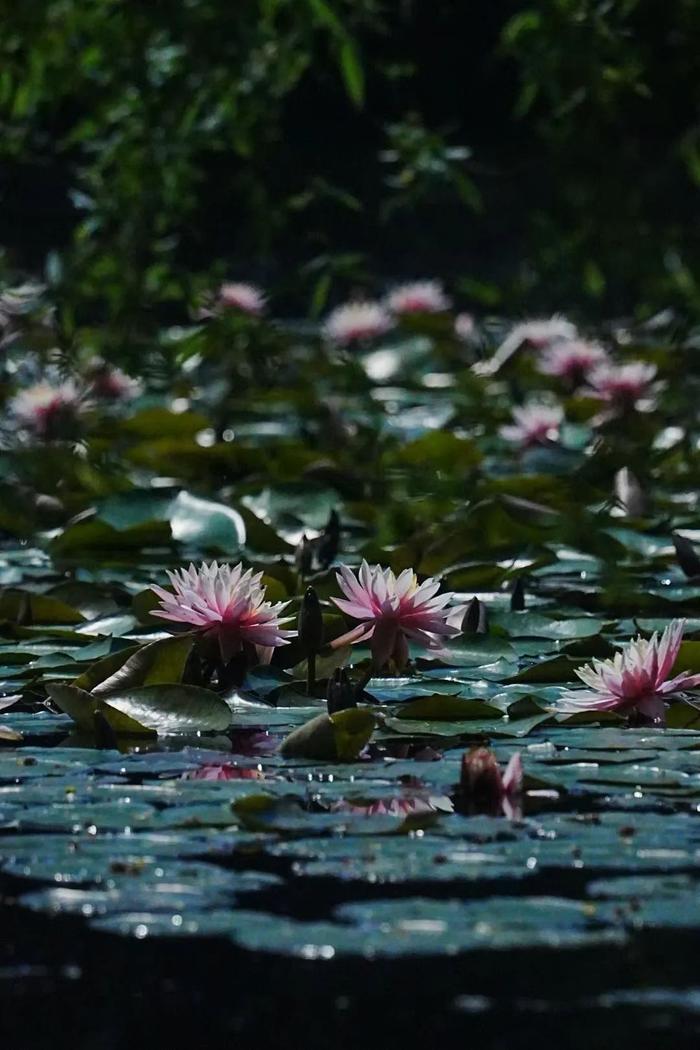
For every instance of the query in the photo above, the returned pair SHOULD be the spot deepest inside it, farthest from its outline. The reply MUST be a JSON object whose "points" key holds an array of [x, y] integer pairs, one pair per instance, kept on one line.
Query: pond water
{"points": [[160, 851], [584, 902]]}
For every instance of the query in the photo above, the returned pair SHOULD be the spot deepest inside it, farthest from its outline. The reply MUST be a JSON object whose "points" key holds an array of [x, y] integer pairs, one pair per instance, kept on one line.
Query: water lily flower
{"points": [[227, 604], [534, 424], [247, 298], [464, 327], [395, 610], [571, 360], [394, 807], [358, 321], [418, 297], [111, 384], [538, 334], [48, 409], [623, 384], [542, 332], [484, 789], [224, 771], [636, 679]]}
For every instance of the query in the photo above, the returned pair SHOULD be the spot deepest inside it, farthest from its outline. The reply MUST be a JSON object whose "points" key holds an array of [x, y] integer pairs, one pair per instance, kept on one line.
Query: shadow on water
{"points": [[65, 985]]}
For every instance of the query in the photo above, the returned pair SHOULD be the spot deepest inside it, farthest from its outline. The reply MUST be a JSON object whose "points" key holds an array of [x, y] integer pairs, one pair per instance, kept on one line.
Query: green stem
{"points": [[310, 674]]}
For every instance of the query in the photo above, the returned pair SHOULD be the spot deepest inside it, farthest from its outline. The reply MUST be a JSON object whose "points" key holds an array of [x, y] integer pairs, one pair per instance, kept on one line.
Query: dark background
{"points": [[148, 149]]}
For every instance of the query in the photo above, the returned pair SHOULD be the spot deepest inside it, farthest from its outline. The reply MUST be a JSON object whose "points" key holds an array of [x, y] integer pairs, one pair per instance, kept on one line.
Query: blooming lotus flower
{"points": [[622, 383], [395, 610], [464, 326], [534, 424], [227, 604], [418, 297], [247, 298], [571, 360], [636, 679], [357, 321], [50, 410], [484, 789]]}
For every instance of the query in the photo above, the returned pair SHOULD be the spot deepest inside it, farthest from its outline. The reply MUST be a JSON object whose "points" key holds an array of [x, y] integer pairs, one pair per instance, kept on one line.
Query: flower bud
{"points": [[629, 493], [304, 556], [328, 543], [310, 623], [517, 596], [340, 694], [480, 777], [686, 555], [475, 618]]}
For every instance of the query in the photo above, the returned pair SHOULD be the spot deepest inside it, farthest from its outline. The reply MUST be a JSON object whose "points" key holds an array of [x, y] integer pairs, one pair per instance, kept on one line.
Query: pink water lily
{"points": [[571, 360], [418, 297], [534, 424], [228, 604], [622, 383], [395, 610], [537, 334], [111, 384], [237, 295], [223, 771], [47, 408], [542, 332], [355, 322], [415, 806], [484, 789], [637, 678]]}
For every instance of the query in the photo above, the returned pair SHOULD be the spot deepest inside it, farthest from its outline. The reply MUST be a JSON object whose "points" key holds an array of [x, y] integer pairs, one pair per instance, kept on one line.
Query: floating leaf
{"points": [[81, 706], [340, 736], [162, 709], [447, 709], [157, 663], [205, 524]]}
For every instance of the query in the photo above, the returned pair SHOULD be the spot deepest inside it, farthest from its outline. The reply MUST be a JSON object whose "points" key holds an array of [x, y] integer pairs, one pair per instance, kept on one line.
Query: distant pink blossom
{"points": [[418, 297], [394, 807], [482, 786], [534, 424], [537, 334], [225, 603], [111, 384], [571, 360], [247, 298], [395, 610], [356, 322], [464, 326], [47, 408], [224, 771], [623, 384], [540, 333], [637, 678]]}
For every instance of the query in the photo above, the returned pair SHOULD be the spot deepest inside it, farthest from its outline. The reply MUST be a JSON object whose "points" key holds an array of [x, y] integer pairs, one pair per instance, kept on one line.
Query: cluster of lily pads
{"points": [[283, 588]]}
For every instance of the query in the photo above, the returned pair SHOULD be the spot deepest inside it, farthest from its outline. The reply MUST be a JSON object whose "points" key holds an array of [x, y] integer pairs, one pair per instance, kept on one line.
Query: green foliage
{"points": [[609, 88], [160, 125], [422, 167], [139, 100]]}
